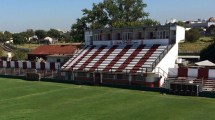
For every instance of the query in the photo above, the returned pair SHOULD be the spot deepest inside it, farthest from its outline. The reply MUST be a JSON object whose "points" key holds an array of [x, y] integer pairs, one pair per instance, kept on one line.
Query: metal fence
{"points": [[53, 74]]}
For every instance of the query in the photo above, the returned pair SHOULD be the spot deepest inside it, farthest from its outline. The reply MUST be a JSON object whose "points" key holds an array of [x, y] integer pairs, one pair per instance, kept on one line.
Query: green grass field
{"points": [[202, 43], [26, 100]]}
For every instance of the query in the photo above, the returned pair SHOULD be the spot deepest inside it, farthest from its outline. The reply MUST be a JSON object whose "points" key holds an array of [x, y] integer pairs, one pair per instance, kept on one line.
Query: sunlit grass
{"points": [[26, 100], [202, 43]]}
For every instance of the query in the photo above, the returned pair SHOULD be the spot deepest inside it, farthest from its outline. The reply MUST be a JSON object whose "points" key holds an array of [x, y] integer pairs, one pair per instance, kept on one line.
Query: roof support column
{"points": [[130, 79], [101, 78], [94, 77], [145, 33], [73, 76]]}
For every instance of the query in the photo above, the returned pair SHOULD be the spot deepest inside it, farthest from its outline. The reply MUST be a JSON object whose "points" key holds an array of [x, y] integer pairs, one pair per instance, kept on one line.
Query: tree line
{"points": [[105, 14], [24, 37], [112, 14]]}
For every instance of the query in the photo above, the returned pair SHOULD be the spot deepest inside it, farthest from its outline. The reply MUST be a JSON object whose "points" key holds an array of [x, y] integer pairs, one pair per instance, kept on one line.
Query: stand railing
{"points": [[160, 57], [98, 70], [161, 72]]}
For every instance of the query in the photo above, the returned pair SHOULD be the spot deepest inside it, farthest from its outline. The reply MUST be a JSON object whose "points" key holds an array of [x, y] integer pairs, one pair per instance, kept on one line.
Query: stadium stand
{"points": [[125, 56]]}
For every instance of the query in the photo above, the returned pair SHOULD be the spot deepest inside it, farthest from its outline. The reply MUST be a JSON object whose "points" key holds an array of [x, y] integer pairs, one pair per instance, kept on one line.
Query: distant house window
{"points": [[151, 35], [119, 36], [174, 32], [58, 60], [163, 34], [109, 36], [97, 37], [127, 36]]}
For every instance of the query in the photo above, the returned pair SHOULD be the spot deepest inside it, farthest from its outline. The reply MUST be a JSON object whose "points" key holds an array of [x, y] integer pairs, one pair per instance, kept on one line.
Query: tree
{"points": [[192, 35], [2, 37], [77, 30], [54, 33], [29, 33], [1, 52], [211, 30], [112, 13], [208, 53], [41, 34], [19, 55], [19, 38], [66, 37], [5, 36], [96, 18], [145, 22], [125, 10], [108, 12], [181, 23]]}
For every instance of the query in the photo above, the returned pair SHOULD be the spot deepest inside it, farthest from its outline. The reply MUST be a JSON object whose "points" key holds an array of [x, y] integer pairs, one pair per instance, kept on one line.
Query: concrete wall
{"points": [[137, 42], [192, 72], [87, 37], [180, 34], [169, 60], [102, 42]]}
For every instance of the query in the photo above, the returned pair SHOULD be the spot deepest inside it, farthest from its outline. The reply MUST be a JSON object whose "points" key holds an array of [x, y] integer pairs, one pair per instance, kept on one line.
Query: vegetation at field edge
{"points": [[197, 46]]}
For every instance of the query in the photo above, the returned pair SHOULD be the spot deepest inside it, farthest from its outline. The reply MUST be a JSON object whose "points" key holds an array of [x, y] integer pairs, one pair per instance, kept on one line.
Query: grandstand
{"points": [[127, 56]]}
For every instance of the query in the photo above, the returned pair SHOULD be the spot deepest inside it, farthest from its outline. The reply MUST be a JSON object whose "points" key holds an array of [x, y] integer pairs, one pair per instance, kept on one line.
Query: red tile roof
{"points": [[54, 49]]}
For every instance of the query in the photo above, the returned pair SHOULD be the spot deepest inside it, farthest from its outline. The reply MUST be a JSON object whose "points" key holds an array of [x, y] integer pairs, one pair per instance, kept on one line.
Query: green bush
{"points": [[208, 53], [192, 35], [33, 76], [20, 55]]}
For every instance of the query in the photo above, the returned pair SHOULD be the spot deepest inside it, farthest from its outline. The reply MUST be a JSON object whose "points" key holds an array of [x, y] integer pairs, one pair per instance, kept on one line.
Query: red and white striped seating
{"points": [[116, 58]]}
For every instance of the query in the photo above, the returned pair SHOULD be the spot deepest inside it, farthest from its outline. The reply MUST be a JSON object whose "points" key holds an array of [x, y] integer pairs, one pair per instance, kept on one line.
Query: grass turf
{"points": [[202, 43], [25, 100]]}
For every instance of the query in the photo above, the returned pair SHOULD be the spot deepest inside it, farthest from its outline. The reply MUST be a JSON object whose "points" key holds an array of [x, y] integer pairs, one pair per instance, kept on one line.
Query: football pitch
{"points": [[26, 100]]}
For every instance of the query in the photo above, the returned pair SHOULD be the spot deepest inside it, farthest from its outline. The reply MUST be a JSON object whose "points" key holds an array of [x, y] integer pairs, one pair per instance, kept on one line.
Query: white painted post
{"points": [[73, 76], [130, 79], [101, 79], [19, 71], [52, 74], [94, 77], [5, 72]]}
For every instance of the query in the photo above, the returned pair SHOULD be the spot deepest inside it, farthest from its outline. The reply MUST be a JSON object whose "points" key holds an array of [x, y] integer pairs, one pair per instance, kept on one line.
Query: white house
{"points": [[49, 40]]}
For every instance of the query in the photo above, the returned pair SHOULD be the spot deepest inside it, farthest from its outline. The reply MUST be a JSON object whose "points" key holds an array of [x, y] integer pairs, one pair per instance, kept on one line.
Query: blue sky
{"points": [[19, 15]]}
